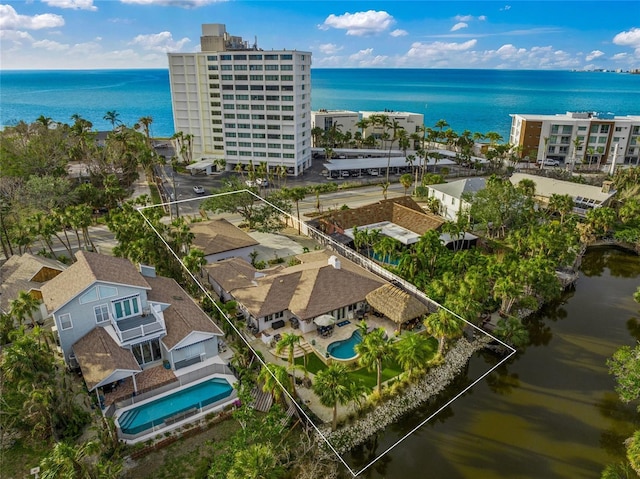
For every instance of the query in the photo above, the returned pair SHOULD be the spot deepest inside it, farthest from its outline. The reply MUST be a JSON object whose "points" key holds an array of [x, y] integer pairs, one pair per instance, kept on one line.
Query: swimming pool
{"points": [[146, 416], [345, 349]]}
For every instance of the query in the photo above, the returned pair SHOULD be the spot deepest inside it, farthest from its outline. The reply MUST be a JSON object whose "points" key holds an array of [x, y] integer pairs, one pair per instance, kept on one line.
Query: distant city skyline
{"points": [[114, 34]]}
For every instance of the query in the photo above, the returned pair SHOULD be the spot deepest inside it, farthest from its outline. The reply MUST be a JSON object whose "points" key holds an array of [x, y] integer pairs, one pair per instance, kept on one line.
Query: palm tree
{"points": [[406, 180], [289, 341], [296, 194], [443, 325], [334, 386], [145, 123], [375, 350], [112, 117], [512, 331], [413, 351], [258, 461], [274, 380], [24, 306]]}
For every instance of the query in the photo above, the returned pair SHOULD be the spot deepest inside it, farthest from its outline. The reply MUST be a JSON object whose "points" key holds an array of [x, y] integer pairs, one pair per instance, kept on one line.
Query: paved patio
{"points": [[147, 380], [306, 395]]}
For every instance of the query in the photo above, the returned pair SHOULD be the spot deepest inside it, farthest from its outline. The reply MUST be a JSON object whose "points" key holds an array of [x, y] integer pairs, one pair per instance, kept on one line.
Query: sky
{"points": [[531, 35]]}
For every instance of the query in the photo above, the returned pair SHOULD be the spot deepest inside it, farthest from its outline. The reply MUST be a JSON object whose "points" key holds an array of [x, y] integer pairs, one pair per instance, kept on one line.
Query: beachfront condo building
{"points": [[578, 137], [243, 104], [410, 122], [344, 121]]}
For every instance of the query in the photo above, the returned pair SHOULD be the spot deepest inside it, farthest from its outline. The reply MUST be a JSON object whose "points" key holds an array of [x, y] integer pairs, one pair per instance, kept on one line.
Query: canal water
{"points": [[549, 412]]}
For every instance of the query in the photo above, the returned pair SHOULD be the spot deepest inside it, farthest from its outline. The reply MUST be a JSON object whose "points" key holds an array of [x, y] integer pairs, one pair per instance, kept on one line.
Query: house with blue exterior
{"points": [[133, 335]]}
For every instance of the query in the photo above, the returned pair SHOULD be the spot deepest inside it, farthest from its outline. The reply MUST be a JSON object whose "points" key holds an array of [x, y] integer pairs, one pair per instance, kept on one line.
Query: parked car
{"points": [[263, 182], [344, 174], [250, 183], [549, 162], [198, 190]]}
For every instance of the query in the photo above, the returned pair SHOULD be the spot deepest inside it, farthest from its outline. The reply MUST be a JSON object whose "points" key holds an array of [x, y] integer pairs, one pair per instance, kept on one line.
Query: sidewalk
{"points": [[140, 186]]}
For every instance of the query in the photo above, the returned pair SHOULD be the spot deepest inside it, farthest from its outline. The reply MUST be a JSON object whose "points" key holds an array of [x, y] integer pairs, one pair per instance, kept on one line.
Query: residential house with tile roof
{"points": [[219, 239], [322, 283], [115, 321], [402, 211]]}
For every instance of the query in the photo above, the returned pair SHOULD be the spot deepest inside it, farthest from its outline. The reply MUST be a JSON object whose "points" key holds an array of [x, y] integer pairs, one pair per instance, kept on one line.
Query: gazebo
{"points": [[396, 304]]}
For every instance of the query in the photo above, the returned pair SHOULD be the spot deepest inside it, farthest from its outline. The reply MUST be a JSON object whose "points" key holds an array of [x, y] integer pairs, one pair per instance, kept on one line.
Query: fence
{"points": [[367, 264], [183, 380]]}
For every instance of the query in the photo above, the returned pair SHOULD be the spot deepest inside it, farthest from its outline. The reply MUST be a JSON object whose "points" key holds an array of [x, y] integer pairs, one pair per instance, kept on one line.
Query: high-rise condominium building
{"points": [[243, 104], [575, 137]]}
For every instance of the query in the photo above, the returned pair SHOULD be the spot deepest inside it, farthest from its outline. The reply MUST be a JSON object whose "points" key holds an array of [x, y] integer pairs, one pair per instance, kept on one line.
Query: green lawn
{"points": [[315, 364], [369, 378]]}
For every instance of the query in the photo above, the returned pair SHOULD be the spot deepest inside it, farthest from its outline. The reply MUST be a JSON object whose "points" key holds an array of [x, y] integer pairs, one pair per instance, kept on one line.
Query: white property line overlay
{"points": [[224, 315]]}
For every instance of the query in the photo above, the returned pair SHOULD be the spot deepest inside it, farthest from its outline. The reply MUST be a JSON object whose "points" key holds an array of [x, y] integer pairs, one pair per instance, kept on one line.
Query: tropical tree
{"points": [[274, 380], [334, 386], [66, 460], [24, 306], [374, 351], [112, 117], [258, 461], [296, 194], [443, 325], [561, 204], [413, 351], [289, 341], [512, 332], [406, 180]]}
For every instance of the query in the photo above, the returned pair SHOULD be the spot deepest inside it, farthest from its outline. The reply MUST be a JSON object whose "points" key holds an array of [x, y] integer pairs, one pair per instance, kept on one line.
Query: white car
{"points": [[263, 182], [250, 183], [549, 162], [198, 190]]}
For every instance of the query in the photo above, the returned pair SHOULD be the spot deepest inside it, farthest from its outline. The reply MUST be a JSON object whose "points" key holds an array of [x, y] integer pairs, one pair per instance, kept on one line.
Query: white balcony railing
{"points": [[138, 326]]}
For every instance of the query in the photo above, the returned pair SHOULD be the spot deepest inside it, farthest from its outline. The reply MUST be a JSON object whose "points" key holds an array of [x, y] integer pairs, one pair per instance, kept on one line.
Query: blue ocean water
{"points": [[475, 100]]}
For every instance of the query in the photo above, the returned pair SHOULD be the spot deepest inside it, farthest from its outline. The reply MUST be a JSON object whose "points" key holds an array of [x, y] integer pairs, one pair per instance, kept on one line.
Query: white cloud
{"points": [[160, 42], [73, 4], [630, 38], [438, 50], [506, 7], [620, 56], [16, 36], [399, 33], [459, 26], [174, 3], [365, 58], [11, 20], [593, 55], [360, 23], [329, 48], [50, 45], [469, 18]]}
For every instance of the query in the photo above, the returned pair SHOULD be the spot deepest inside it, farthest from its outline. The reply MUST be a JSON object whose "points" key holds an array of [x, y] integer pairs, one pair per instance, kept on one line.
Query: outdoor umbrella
{"points": [[325, 320]]}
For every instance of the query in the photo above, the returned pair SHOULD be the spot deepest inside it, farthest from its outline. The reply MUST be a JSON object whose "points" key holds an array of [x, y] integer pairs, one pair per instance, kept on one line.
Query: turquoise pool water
{"points": [[345, 349], [155, 412]]}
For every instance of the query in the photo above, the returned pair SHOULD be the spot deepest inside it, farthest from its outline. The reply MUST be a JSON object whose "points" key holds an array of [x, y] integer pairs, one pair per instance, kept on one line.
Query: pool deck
{"points": [[314, 341], [306, 395], [147, 380]]}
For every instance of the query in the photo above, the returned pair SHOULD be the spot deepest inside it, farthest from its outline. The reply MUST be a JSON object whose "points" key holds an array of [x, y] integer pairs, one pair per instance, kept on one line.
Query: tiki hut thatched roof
{"points": [[396, 304]]}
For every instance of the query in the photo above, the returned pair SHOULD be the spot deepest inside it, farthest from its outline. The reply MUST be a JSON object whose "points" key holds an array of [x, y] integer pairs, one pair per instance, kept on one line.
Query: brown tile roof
{"points": [[25, 273], [100, 356], [218, 236], [309, 289], [396, 304], [183, 316], [89, 268], [232, 273], [403, 211]]}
